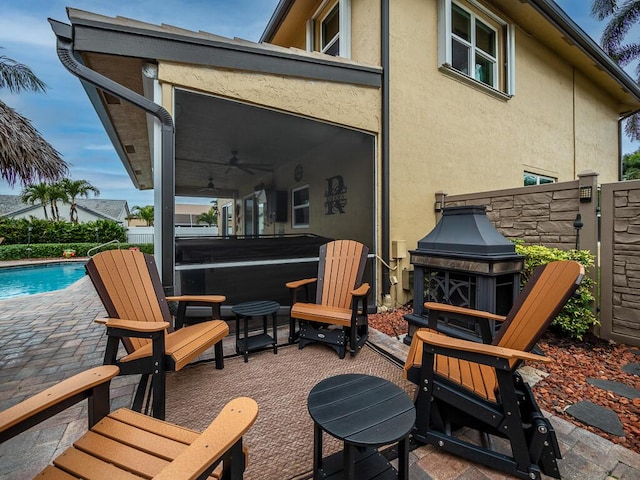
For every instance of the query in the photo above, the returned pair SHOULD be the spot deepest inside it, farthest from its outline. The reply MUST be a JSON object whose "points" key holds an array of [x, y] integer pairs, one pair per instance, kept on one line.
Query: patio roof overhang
{"points": [[120, 49], [126, 56]]}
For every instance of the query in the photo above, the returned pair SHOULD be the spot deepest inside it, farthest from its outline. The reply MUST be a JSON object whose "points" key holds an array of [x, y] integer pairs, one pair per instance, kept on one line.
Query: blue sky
{"points": [[64, 115]]}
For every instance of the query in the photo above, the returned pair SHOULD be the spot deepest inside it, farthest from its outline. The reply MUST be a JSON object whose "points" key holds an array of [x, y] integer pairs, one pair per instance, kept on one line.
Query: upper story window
{"points": [[477, 45], [300, 207], [329, 29], [535, 179], [330, 32]]}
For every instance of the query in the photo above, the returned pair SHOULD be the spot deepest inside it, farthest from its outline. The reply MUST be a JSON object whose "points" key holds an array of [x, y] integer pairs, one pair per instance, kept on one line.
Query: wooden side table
{"points": [[248, 310], [364, 412]]}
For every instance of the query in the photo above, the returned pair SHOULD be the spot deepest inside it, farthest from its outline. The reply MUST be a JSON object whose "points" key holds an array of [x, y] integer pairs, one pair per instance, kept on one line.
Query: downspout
{"points": [[620, 166], [384, 201], [64, 49], [621, 120]]}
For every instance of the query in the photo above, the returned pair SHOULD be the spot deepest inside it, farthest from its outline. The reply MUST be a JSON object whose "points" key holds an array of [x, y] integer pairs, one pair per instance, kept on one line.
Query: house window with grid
{"points": [[536, 179], [300, 207], [477, 44]]}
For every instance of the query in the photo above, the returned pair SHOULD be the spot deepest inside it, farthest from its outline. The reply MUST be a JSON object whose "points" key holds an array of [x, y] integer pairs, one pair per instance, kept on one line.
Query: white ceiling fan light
{"points": [[210, 186]]}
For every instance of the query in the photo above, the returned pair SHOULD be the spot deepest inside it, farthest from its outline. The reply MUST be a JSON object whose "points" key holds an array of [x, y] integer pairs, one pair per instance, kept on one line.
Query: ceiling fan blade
{"points": [[260, 168], [245, 169]]}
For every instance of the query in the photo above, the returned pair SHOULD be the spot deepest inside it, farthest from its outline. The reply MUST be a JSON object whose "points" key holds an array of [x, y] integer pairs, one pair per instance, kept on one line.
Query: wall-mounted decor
{"points": [[298, 172], [335, 195]]}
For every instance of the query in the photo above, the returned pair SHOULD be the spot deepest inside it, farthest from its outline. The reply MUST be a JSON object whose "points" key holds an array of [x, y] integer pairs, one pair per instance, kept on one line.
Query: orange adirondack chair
{"points": [[339, 314], [477, 385], [131, 291], [127, 444]]}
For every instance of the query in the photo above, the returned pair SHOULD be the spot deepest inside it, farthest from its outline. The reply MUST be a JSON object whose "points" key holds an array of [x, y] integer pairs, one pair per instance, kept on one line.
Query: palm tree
{"points": [[37, 193], [631, 166], [210, 217], [144, 213], [75, 189], [24, 154], [623, 15], [56, 193]]}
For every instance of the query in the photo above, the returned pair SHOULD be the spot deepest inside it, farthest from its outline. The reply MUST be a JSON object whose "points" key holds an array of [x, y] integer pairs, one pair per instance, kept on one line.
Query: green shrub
{"points": [[577, 317], [16, 231], [54, 250]]}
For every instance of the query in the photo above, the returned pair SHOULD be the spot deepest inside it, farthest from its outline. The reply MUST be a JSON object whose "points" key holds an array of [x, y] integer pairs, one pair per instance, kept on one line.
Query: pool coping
{"points": [[39, 261]]}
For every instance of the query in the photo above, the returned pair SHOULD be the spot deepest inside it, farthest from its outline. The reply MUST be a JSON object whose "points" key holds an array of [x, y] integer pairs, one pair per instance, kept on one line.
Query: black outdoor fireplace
{"points": [[464, 261]]}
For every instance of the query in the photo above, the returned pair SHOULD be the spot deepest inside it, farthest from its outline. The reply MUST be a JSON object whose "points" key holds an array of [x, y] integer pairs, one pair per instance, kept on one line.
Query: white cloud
{"points": [[19, 28], [105, 146]]}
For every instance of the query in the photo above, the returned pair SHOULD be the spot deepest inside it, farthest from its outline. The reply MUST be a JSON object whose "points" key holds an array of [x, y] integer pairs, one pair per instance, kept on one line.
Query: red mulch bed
{"points": [[566, 384]]}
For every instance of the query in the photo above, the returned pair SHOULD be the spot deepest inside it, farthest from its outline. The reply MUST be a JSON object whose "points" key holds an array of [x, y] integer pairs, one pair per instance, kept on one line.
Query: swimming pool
{"points": [[44, 277]]}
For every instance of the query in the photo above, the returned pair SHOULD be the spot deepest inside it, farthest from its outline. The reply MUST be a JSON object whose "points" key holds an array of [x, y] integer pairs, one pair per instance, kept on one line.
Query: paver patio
{"points": [[47, 337]]}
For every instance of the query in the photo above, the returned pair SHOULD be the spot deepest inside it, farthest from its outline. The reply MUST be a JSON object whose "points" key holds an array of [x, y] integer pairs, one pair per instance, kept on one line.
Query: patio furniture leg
{"points": [[403, 459], [317, 451], [275, 332], [219, 355]]}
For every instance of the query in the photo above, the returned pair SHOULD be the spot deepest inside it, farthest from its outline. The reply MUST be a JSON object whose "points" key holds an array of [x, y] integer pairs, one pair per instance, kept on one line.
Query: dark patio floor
{"points": [[48, 337]]}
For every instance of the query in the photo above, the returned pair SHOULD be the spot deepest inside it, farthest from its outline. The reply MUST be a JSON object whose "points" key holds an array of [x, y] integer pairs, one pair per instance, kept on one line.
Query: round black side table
{"points": [[364, 412], [248, 310]]}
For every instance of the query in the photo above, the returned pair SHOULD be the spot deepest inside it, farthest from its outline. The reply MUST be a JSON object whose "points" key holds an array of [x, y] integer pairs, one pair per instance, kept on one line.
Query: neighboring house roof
{"points": [[116, 210], [10, 204]]}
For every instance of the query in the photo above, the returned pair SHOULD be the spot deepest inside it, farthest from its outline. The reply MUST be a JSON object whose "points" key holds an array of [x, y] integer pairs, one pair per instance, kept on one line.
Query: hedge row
{"points": [[56, 250], [34, 231]]}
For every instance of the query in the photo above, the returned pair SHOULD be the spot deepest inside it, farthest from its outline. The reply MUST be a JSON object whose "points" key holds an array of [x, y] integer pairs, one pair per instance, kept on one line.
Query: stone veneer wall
{"points": [[541, 215], [621, 262]]}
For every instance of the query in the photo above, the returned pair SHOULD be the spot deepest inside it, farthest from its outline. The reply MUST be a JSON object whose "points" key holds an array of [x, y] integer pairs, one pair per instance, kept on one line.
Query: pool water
{"points": [[27, 280]]}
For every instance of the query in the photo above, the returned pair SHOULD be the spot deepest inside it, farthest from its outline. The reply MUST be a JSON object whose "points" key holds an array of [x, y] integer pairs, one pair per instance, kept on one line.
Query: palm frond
{"points": [[632, 127], [24, 154], [622, 20], [601, 9], [18, 77]]}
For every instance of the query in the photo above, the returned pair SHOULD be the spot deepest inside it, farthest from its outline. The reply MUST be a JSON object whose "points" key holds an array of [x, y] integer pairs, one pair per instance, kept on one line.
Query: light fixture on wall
{"points": [[586, 193], [577, 224]]}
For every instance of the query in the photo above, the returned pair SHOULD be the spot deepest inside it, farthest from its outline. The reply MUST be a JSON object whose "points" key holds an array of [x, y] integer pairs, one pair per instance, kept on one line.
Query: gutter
{"points": [[557, 17], [64, 48], [384, 201], [279, 14]]}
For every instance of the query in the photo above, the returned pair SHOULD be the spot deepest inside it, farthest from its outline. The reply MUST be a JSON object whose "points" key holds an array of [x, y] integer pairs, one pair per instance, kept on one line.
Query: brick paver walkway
{"points": [[47, 337]]}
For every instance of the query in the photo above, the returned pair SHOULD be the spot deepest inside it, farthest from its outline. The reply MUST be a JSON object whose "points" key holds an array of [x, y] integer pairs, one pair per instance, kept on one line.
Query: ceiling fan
{"points": [[234, 162], [210, 186]]}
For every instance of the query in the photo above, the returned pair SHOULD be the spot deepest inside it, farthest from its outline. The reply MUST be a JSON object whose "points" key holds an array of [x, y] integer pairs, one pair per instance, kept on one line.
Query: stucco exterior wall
{"points": [[359, 106], [365, 32], [447, 135]]}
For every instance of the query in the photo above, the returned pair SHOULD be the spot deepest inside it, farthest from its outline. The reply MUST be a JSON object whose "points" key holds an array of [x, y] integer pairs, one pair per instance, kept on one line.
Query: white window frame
{"points": [[344, 33], [295, 207], [445, 50], [226, 212], [538, 177]]}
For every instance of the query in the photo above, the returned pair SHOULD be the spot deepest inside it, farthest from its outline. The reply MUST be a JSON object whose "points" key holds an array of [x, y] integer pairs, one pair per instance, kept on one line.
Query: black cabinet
{"points": [[277, 206]]}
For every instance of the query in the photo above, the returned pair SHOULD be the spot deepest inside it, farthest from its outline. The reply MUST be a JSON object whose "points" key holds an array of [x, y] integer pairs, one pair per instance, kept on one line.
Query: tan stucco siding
{"points": [[447, 135], [596, 131], [365, 31], [354, 106]]}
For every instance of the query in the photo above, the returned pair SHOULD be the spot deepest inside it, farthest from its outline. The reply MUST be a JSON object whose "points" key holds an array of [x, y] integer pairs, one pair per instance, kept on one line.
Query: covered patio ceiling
{"points": [[210, 129]]}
